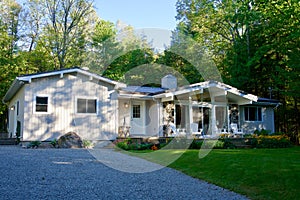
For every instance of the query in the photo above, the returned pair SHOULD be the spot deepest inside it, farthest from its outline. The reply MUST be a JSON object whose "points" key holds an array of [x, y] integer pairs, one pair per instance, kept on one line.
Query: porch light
{"points": [[126, 105], [12, 108]]}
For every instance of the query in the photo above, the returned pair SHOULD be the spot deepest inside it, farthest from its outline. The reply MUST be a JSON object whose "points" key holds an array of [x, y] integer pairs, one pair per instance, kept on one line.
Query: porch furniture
{"points": [[235, 130], [224, 131], [123, 131], [195, 131]]}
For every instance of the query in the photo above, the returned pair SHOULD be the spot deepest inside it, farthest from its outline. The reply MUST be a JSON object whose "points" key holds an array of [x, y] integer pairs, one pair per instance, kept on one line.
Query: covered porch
{"points": [[203, 111]]}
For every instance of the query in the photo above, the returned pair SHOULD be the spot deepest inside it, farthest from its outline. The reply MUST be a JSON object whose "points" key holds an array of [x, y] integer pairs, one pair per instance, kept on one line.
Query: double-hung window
{"points": [[253, 114], [41, 104], [86, 106]]}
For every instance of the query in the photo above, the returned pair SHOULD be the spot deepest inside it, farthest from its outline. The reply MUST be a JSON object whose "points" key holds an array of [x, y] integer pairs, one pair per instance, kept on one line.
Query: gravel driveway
{"points": [[76, 174]]}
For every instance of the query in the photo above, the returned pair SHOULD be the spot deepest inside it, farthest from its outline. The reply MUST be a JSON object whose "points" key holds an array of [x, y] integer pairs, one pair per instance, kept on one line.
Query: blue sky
{"points": [[152, 18], [139, 13]]}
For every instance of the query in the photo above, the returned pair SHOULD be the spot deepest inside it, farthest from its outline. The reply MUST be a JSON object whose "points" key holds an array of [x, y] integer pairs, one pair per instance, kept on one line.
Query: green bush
{"points": [[34, 144], [262, 132], [54, 143], [127, 144], [87, 144], [196, 144], [228, 144], [270, 141]]}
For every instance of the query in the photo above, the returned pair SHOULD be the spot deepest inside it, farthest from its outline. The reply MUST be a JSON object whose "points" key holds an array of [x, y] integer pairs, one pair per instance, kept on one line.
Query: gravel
{"points": [[77, 174]]}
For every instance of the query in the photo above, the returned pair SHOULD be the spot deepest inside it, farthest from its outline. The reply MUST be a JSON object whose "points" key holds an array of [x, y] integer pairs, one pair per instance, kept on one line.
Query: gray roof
{"points": [[144, 90]]}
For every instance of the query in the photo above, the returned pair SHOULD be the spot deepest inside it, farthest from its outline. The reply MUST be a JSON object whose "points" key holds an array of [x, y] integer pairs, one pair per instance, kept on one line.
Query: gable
{"points": [[86, 75]]}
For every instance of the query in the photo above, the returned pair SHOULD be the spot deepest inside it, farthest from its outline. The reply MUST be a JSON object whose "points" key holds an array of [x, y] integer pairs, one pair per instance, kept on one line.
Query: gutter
{"points": [[14, 88]]}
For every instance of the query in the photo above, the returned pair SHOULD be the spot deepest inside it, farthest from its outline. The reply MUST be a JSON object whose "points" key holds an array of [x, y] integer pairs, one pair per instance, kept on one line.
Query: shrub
{"points": [[262, 132], [225, 135], [219, 144], [87, 144], [271, 141], [127, 144], [196, 144], [228, 144], [54, 143], [34, 144]]}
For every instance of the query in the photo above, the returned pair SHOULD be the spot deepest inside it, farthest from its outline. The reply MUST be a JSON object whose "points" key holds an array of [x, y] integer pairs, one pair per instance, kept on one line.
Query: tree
{"points": [[103, 47], [9, 15], [255, 45], [64, 29], [133, 51]]}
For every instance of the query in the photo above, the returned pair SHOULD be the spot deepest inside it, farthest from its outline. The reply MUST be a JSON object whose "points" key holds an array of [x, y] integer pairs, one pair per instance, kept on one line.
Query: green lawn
{"points": [[256, 173]]}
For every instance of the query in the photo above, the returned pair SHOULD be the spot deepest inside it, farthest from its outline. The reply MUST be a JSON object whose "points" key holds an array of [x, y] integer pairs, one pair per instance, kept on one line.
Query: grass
{"points": [[256, 173]]}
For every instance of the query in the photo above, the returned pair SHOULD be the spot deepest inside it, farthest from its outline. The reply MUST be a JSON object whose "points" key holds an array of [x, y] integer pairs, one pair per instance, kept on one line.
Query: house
{"points": [[47, 105]]}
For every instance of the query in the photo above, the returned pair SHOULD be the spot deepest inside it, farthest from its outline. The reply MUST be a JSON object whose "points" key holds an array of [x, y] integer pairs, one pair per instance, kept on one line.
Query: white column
{"points": [[213, 117], [228, 118], [159, 119]]}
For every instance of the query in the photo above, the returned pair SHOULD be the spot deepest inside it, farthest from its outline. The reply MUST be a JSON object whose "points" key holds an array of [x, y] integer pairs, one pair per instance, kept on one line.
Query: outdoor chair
{"points": [[235, 130], [195, 131]]}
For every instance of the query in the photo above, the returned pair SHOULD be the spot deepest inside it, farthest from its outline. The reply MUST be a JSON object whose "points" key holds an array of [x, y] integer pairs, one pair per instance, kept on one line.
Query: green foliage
{"points": [[271, 141], [34, 144], [128, 144], [196, 144], [262, 132], [87, 144], [255, 46], [54, 143]]}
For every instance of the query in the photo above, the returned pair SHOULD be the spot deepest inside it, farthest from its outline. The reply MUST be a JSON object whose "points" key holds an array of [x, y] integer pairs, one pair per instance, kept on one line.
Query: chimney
{"points": [[169, 82]]}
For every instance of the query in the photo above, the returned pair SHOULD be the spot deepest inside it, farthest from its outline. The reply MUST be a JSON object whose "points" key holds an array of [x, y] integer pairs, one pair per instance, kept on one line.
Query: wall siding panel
{"points": [[62, 117]]}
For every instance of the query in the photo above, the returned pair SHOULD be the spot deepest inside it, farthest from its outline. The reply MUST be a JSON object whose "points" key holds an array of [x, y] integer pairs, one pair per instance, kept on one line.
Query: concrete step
{"points": [[8, 141], [3, 135]]}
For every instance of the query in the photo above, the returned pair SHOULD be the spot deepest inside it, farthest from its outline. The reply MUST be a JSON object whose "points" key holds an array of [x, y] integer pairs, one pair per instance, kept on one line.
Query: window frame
{"points": [[86, 100], [135, 108], [35, 104], [257, 118]]}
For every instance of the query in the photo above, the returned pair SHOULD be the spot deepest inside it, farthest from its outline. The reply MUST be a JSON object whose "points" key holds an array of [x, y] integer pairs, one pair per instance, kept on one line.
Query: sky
{"points": [[139, 13], [153, 18]]}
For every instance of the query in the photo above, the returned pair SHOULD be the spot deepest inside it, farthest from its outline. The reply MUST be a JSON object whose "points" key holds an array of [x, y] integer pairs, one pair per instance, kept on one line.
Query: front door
{"points": [[137, 118]]}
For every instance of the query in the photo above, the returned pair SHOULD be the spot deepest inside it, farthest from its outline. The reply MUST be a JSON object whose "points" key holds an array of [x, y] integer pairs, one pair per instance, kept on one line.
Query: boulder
{"points": [[69, 140]]}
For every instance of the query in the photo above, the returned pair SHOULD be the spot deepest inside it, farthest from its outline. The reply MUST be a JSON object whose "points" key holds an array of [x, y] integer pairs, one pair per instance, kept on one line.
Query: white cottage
{"points": [[47, 105]]}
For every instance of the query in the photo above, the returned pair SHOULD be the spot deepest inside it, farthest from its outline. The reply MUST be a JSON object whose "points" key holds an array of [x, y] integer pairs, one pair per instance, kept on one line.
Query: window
{"points": [[253, 114], [136, 111], [86, 105], [41, 104]]}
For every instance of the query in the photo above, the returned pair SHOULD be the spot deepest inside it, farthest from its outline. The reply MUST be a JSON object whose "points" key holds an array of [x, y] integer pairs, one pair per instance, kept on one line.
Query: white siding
{"points": [[13, 117], [62, 117]]}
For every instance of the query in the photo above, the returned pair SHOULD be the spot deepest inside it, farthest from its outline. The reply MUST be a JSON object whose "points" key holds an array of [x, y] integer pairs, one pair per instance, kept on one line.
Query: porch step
{"points": [[3, 135], [239, 143], [8, 141]]}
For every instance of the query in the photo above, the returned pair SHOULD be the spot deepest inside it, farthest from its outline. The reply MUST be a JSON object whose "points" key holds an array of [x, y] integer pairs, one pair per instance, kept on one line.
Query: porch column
{"points": [[214, 127], [228, 118], [190, 120], [213, 119], [159, 115]]}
